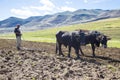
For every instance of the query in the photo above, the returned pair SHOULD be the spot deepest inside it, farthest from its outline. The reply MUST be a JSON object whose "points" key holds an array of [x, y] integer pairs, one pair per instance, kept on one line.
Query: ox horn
{"points": [[108, 38]]}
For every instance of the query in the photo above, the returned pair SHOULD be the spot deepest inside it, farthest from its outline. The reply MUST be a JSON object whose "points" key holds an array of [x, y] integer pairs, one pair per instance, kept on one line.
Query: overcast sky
{"points": [[27, 8]]}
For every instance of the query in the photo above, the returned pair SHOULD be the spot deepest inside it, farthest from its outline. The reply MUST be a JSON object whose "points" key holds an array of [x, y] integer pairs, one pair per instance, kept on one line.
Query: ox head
{"points": [[103, 39]]}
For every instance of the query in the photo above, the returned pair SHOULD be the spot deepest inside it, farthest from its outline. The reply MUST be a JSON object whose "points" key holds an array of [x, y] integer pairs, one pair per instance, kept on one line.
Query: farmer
{"points": [[18, 37]]}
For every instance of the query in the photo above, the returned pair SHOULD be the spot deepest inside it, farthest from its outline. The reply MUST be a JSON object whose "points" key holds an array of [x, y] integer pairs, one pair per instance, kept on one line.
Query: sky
{"points": [[26, 8]]}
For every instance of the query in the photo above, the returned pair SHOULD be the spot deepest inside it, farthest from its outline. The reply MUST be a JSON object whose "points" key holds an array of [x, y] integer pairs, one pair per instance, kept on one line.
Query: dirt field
{"points": [[38, 61]]}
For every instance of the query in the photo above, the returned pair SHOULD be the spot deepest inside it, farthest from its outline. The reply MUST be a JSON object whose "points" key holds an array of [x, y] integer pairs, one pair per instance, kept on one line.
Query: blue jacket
{"points": [[17, 32]]}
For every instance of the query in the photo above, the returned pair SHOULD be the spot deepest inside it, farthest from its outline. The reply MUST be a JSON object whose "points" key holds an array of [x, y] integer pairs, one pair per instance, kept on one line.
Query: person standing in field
{"points": [[18, 37]]}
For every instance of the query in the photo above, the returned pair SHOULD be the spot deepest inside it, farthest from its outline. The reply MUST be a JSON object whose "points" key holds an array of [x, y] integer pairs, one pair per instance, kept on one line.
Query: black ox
{"points": [[73, 39], [70, 39], [95, 38]]}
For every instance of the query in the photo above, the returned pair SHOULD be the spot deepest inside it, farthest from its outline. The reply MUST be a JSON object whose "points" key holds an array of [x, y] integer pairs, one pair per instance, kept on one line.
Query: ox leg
{"points": [[93, 49], [60, 50], [56, 48], [81, 51], [77, 53], [69, 51]]}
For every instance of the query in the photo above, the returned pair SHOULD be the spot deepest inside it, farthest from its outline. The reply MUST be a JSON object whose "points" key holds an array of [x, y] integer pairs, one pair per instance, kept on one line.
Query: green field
{"points": [[110, 27]]}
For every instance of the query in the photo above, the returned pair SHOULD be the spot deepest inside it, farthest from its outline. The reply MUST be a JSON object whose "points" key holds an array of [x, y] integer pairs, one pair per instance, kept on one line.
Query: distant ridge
{"points": [[60, 19]]}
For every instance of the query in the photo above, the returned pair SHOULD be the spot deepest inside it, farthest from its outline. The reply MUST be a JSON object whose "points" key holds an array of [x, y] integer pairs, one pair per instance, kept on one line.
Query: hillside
{"points": [[38, 61], [110, 27], [58, 19]]}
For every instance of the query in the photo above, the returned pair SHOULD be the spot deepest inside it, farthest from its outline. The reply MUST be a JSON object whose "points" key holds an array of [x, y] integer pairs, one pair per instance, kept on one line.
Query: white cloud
{"points": [[66, 8], [93, 1], [68, 2], [42, 8], [24, 12], [47, 7], [47, 3], [85, 1]]}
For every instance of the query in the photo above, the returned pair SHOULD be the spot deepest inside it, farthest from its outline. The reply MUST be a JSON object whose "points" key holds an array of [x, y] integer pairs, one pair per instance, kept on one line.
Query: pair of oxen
{"points": [[78, 38]]}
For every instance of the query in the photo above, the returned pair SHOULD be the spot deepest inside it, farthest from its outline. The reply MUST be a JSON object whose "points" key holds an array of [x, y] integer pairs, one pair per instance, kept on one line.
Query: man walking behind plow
{"points": [[18, 37]]}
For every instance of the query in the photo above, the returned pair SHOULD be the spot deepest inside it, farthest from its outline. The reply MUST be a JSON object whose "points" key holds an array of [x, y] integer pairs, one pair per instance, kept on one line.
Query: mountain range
{"points": [[59, 19]]}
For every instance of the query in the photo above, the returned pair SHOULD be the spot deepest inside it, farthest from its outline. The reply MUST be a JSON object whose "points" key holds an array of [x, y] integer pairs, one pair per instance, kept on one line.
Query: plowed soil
{"points": [[38, 61]]}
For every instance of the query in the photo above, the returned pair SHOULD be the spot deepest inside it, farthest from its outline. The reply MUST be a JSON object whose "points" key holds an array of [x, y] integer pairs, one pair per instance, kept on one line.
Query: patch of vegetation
{"points": [[111, 68]]}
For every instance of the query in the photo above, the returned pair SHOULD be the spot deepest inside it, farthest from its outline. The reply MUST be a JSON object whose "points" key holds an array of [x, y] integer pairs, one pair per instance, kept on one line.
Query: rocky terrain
{"points": [[38, 61]]}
